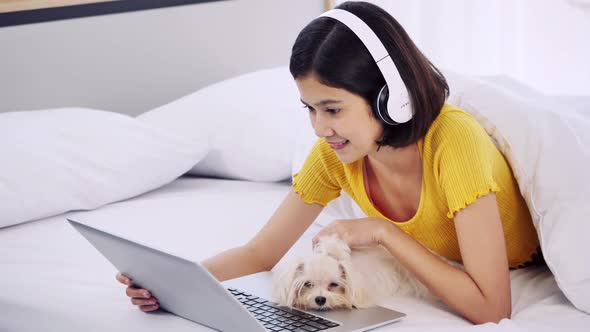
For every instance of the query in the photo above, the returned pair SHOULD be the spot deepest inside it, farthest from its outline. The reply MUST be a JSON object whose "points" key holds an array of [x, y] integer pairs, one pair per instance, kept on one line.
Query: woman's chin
{"points": [[346, 158]]}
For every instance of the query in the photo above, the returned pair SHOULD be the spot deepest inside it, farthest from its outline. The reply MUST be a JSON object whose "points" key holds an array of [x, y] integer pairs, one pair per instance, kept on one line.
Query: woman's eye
{"points": [[307, 284], [333, 284], [309, 108], [327, 110]]}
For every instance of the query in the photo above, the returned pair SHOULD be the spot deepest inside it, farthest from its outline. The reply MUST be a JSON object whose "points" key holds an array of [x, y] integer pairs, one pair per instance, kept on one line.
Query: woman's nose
{"points": [[321, 126]]}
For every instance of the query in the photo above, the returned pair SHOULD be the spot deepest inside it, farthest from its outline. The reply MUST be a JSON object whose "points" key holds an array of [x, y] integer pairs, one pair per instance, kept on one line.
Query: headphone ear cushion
{"points": [[380, 106]]}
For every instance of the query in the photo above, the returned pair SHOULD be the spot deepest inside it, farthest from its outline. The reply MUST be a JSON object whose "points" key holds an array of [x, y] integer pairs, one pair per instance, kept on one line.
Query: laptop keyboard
{"points": [[281, 319]]}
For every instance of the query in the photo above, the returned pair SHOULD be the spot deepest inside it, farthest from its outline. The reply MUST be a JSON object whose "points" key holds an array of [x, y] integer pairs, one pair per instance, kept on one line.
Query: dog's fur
{"points": [[345, 278]]}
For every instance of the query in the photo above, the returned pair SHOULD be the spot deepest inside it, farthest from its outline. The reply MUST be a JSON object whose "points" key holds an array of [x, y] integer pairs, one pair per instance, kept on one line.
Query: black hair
{"points": [[333, 52]]}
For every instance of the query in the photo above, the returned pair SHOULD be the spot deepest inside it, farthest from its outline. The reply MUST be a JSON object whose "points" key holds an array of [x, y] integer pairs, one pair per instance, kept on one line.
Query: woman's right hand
{"points": [[139, 297]]}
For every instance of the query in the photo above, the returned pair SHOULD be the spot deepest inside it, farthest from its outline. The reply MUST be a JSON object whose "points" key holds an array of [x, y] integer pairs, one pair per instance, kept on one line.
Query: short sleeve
{"points": [[316, 181], [464, 161]]}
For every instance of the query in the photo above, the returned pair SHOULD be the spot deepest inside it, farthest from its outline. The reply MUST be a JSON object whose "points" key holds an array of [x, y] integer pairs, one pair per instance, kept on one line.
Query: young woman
{"points": [[434, 182]]}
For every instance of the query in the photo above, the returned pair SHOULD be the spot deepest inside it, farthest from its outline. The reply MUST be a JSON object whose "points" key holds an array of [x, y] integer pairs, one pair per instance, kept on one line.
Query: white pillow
{"points": [[548, 148], [66, 159], [247, 121]]}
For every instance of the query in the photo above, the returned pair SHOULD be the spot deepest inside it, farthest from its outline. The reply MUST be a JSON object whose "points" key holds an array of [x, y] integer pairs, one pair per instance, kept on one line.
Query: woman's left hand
{"points": [[365, 232]]}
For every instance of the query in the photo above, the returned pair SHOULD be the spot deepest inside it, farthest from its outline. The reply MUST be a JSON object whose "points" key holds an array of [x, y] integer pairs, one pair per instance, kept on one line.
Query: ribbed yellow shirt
{"points": [[460, 164]]}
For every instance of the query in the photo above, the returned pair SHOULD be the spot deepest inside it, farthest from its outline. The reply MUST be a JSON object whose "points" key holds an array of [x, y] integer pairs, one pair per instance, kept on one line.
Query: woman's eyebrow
{"points": [[324, 102]]}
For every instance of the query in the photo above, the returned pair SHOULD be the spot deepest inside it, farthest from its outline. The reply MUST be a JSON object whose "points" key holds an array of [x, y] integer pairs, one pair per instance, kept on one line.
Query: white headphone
{"points": [[393, 102]]}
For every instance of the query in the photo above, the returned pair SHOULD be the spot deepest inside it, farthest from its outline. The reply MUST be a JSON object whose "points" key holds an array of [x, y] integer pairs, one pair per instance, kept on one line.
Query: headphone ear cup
{"points": [[381, 106]]}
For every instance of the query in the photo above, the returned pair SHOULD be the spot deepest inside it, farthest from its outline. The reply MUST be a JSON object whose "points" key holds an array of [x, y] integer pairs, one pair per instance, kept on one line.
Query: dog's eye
{"points": [[308, 284], [333, 284]]}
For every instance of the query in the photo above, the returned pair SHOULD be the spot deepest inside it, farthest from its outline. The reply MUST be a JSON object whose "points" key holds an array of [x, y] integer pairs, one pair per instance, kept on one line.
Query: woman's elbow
{"points": [[494, 314]]}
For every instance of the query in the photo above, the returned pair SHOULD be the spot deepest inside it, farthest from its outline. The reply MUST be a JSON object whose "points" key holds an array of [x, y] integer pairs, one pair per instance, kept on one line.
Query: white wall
{"points": [[132, 62], [543, 43], [557, 39]]}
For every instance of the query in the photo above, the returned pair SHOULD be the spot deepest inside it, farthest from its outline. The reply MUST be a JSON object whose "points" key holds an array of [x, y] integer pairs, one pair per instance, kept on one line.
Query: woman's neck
{"points": [[402, 162]]}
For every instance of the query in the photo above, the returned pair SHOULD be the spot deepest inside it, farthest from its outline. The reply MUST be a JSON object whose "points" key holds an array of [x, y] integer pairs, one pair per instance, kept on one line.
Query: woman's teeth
{"points": [[339, 145]]}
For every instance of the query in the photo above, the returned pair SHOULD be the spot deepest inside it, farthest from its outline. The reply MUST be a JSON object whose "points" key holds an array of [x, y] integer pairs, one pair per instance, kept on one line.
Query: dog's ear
{"points": [[283, 286], [343, 273], [354, 288], [346, 277], [299, 269]]}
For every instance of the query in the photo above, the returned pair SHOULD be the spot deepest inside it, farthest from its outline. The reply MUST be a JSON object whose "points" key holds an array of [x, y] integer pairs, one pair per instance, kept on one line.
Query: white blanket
{"points": [[53, 280]]}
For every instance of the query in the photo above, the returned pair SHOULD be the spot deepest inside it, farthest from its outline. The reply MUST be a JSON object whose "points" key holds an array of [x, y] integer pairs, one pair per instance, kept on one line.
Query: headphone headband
{"points": [[398, 105]]}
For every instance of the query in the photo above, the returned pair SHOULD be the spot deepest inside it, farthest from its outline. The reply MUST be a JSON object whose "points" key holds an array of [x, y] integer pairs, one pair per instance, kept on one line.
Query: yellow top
{"points": [[460, 164]]}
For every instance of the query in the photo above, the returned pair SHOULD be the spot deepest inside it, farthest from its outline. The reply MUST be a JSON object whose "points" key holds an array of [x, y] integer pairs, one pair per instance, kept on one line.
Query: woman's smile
{"points": [[338, 145]]}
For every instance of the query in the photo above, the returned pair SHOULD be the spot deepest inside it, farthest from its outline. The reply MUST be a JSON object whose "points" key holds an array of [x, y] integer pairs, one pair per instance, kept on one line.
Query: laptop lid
{"points": [[182, 287]]}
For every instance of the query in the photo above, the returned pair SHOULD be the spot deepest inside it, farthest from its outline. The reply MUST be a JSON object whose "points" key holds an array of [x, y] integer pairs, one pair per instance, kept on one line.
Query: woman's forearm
{"points": [[453, 286], [233, 263]]}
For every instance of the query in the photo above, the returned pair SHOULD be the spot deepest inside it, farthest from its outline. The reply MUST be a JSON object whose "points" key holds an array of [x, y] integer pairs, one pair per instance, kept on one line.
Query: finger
{"points": [[142, 302], [123, 279], [320, 234], [315, 241], [148, 308], [138, 293]]}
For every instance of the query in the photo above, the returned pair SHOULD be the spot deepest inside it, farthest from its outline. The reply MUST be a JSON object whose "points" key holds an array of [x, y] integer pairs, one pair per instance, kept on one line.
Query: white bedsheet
{"points": [[51, 279]]}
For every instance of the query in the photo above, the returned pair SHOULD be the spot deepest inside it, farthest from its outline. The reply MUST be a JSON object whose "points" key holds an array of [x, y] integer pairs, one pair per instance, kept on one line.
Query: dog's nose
{"points": [[320, 300]]}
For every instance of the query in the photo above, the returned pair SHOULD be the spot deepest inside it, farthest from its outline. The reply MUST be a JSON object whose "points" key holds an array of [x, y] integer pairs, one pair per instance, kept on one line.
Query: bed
{"points": [[53, 280], [147, 185], [191, 194]]}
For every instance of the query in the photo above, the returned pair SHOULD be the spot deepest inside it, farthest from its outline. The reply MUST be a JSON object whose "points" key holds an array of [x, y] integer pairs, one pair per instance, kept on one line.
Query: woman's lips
{"points": [[338, 145]]}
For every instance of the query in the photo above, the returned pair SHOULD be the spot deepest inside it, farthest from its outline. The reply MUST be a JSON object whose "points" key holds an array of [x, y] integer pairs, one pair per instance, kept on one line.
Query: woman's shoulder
{"points": [[454, 124], [452, 116]]}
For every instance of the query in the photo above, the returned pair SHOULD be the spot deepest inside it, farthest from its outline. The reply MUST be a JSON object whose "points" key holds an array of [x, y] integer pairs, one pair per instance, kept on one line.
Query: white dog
{"points": [[335, 277]]}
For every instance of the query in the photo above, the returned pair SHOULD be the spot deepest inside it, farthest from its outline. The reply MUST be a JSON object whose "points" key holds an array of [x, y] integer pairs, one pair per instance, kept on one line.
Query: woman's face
{"points": [[343, 119]]}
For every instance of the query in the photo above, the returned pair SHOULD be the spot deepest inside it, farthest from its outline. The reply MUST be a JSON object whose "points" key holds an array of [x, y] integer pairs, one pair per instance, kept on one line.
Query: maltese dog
{"points": [[336, 277]]}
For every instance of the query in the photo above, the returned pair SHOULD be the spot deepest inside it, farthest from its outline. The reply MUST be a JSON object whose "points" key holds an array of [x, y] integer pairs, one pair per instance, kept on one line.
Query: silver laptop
{"points": [[188, 290]]}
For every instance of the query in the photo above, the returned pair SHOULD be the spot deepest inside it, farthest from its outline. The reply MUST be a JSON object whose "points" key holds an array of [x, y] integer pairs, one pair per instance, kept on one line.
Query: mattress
{"points": [[52, 279]]}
